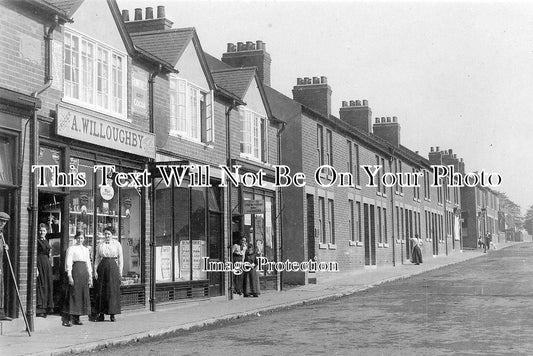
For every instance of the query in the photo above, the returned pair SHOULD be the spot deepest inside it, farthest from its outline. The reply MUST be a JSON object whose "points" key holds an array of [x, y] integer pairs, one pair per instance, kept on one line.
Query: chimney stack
{"points": [[125, 15], [249, 54], [388, 129], [358, 114], [315, 94], [149, 23], [149, 13]]}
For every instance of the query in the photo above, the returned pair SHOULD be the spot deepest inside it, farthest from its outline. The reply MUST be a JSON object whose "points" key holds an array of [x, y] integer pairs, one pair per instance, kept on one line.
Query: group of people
{"points": [[485, 242], [108, 267], [246, 283]]}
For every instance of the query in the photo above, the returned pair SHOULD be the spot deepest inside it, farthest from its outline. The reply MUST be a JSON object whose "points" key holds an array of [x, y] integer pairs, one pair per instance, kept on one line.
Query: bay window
{"points": [[191, 111], [253, 135], [94, 74]]}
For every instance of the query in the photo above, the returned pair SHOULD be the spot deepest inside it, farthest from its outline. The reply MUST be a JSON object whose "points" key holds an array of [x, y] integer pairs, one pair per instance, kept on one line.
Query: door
{"points": [[367, 234], [311, 254], [51, 214], [8, 296]]}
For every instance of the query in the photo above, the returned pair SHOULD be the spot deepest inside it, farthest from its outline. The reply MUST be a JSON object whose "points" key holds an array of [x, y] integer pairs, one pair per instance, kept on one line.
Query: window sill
{"points": [[181, 136], [96, 109], [380, 245], [322, 246], [378, 193], [352, 243], [386, 245], [251, 158], [332, 246], [358, 187]]}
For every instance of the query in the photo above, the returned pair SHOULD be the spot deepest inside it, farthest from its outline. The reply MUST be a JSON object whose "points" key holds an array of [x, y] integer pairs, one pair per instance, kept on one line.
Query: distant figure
{"points": [[417, 252], [251, 277], [238, 251]]}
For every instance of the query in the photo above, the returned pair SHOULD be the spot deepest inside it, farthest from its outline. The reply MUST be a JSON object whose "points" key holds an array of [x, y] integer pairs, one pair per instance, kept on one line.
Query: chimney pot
{"points": [[249, 45], [431, 149], [388, 119], [377, 120], [316, 80], [229, 47], [437, 149], [125, 15], [240, 46], [450, 151], [358, 103], [160, 12], [455, 155], [138, 14], [352, 103], [259, 45], [299, 81], [344, 103], [394, 119], [307, 80], [365, 102], [149, 13], [323, 80]]}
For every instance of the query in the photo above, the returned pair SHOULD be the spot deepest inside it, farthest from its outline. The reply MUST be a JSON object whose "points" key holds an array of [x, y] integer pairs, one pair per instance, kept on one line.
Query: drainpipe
{"points": [[229, 212], [392, 216], [151, 81], [280, 200], [34, 154]]}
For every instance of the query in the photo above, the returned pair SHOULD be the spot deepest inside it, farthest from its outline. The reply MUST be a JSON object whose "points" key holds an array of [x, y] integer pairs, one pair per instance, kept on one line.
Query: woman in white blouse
{"points": [[80, 279], [108, 266]]}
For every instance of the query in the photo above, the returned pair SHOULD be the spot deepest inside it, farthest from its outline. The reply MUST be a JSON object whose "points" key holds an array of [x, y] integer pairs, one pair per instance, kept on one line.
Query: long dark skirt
{"points": [[45, 289], [238, 283], [108, 287], [417, 255], [78, 298], [251, 283]]}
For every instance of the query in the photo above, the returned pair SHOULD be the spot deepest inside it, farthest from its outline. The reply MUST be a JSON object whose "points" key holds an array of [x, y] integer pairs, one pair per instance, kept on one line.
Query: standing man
{"points": [[4, 218]]}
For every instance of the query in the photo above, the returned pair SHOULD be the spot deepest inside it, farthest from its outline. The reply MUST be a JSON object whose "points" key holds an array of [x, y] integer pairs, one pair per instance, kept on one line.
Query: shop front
{"points": [[15, 111], [188, 228], [88, 145]]}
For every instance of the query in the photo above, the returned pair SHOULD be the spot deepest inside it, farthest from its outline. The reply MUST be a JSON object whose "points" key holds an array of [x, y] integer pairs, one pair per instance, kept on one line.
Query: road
{"points": [[479, 307]]}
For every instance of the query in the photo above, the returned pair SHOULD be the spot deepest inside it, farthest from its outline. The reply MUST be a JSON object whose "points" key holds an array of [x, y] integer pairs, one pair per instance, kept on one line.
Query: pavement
{"points": [[51, 338]]}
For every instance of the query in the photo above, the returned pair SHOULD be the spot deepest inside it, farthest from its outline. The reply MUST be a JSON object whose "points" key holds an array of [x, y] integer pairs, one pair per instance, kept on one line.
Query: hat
{"points": [[4, 216]]}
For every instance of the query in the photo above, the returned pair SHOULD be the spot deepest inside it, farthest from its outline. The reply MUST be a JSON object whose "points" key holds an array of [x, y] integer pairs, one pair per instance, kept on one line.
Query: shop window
{"points": [[94, 74], [181, 231], [191, 111], [94, 207], [253, 135], [7, 155]]}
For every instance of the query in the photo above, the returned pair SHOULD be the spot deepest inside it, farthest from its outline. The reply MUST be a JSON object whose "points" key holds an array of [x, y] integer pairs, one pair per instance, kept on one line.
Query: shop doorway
{"points": [[8, 306], [51, 213]]}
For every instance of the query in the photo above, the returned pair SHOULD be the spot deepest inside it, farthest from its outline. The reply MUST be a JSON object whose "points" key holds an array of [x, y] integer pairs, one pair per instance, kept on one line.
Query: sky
{"points": [[458, 75]]}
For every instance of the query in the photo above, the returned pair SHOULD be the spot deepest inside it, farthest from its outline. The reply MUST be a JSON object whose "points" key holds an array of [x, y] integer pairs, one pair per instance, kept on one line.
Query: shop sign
{"points": [[254, 207], [93, 129], [139, 91]]}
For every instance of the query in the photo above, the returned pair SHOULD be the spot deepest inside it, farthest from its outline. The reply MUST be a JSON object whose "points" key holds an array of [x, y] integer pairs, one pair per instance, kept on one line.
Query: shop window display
{"points": [[95, 206], [181, 232]]}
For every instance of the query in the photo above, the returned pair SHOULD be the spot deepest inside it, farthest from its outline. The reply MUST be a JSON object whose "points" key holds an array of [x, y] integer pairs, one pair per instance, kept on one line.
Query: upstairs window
{"points": [[191, 111], [254, 138], [94, 75]]}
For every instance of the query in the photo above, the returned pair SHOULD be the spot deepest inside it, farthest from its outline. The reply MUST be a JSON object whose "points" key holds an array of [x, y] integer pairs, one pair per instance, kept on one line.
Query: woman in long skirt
{"points": [[238, 251], [78, 267], [251, 277], [108, 265], [417, 252], [45, 286]]}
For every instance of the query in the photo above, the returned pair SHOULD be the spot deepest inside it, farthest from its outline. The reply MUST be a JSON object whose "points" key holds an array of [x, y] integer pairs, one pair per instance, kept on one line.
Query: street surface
{"points": [[483, 306]]}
